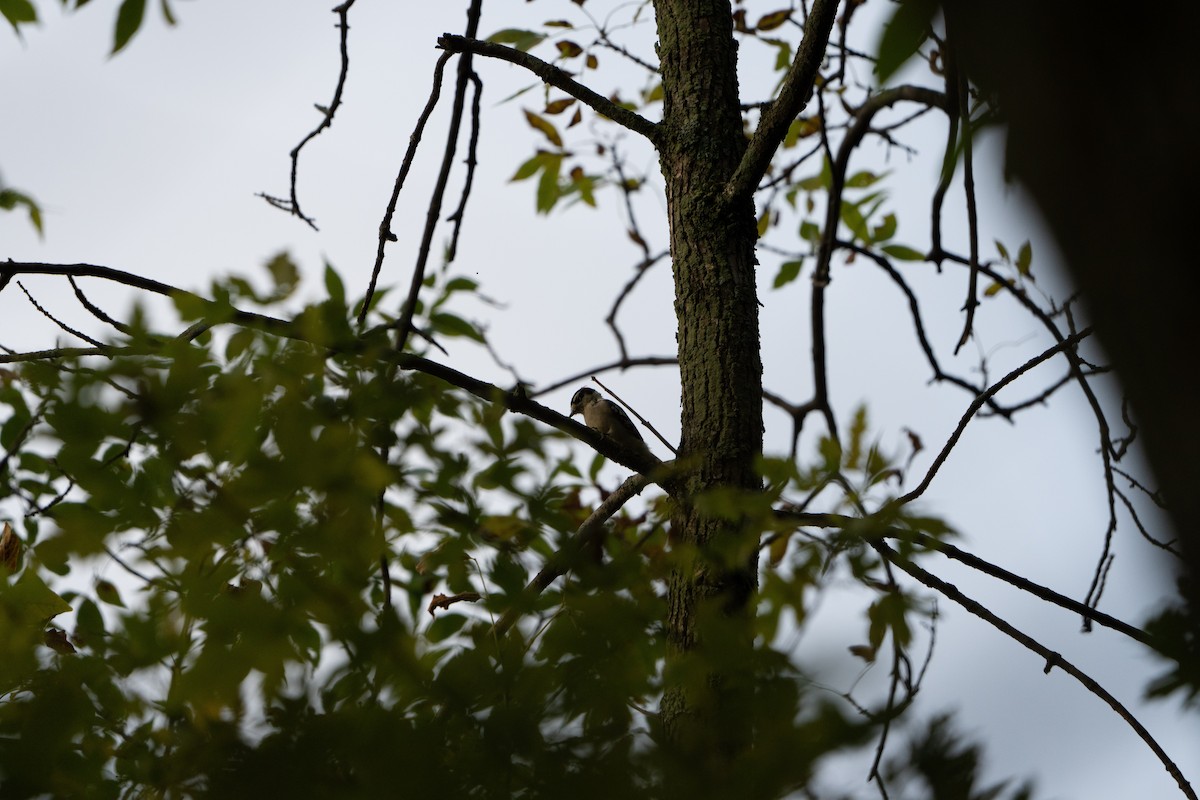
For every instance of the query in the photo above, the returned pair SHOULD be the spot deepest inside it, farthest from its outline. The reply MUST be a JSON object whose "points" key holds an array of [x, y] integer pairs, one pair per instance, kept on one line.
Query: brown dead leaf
{"points": [[443, 601], [10, 549], [57, 641]]}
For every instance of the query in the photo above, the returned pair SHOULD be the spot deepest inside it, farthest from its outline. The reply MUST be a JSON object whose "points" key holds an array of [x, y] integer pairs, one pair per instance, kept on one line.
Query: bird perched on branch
{"points": [[603, 415]]}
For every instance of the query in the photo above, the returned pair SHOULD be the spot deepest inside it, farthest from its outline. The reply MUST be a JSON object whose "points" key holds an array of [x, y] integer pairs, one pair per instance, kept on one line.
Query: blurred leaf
{"points": [[903, 35], [18, 12], [10, 550], [1024, 259], [520, 39], [548, 191], [56, 640], [541, 124], [129, 19], [771, 21], [855, 222], [30, 601], [903, 252], [568, 49], [560, 105], [11, 198], [788, 272], [106, 591]]}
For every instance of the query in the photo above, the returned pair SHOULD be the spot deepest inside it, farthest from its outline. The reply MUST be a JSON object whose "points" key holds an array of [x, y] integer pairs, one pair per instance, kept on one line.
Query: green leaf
{"points": [[884, 230], [800, 129], [788, 272], [863, 179], [520, 39], [451, 325], [11, 198], [31, 601], [855, 222], [903, 253], [548, 192], [539, 123], [334, 285], [285, 274], [858, 428], [771, 21], [809, 231], [106, 591], [18, 12], [903, 35], [129, 19], [1024, 259]]}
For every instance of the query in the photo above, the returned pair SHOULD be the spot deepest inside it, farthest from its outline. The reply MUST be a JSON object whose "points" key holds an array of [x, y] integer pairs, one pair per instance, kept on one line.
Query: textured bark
{"points": [[712, 247]]}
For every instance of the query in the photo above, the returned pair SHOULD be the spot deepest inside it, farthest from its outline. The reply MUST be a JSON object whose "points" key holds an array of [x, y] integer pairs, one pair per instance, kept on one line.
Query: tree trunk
{"points": [[704, 713]]}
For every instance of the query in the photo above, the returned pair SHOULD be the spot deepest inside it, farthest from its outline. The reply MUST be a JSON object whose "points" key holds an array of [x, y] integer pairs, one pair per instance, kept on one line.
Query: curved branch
{"points": [[94, 309], [1053, 659], [567, 556], [555, 77], [793, 96], [385, 227], [622, 363], [434, 211], [520, 402], [978, 403], [250, 319], [292, 205], [820, 520]]}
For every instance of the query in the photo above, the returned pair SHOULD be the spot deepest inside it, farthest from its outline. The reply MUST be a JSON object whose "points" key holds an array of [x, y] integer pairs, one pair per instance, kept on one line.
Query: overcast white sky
{"points": [[150, 162]]}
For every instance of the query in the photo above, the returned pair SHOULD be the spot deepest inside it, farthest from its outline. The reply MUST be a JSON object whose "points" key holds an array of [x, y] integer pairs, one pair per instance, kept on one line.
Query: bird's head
{"points": [[582, 399]]}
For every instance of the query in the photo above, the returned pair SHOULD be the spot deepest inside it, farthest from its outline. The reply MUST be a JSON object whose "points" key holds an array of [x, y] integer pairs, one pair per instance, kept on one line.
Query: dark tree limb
{"points": [[385, 226], [793, 95], [292, 204], [1053, 659], [978, 403], [434, 211], [568, 555], [555, 77]]}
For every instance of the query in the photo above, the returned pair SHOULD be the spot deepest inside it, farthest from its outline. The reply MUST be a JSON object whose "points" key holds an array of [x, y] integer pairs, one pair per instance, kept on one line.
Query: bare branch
{"points": [[841, 521], [385, 227], [56, 320], [95, 310], [553, 76], [793, 95], [978, 402], [472, 147], [621, 363], [247, 319], [434, 211], [521, 403], [567, 556], [1053, 659], [292, 205]]}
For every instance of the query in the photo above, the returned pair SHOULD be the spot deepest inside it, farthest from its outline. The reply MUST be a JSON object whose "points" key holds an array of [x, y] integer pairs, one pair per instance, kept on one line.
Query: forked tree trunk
{"points": [[701, 141]]}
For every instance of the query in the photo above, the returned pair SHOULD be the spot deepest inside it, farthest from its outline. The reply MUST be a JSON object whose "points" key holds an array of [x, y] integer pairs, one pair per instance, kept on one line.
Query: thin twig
{"points": [[555, 77], [56, 320], [566, 556], [385, 227], [977, 403], [1053, 659], [640, 418], [293, 204], [793, 96]]}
